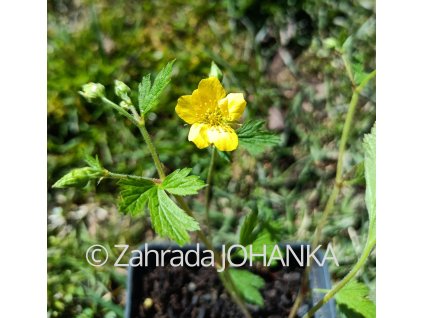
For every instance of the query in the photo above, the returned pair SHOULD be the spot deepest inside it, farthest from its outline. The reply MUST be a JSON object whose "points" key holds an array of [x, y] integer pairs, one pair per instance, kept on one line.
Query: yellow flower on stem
{"points": [[211, 112]]}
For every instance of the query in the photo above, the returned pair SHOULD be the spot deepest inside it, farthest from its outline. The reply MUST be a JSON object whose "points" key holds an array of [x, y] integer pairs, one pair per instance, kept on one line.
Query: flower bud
{"points": [[92, 91], [122, 90], [215, 71], [79, 177]]}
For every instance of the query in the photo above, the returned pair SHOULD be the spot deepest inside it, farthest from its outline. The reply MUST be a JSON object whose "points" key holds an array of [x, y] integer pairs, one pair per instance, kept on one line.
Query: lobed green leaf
{"points": [[93, 162], [148, 95], [134, 195], [179, 183], [248, 284], [354, 295], [168, 219], [254, 138]]}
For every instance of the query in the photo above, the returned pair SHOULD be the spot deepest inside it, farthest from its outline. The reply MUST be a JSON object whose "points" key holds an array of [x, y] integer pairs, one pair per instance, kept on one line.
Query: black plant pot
{"points": [[319, 279]]}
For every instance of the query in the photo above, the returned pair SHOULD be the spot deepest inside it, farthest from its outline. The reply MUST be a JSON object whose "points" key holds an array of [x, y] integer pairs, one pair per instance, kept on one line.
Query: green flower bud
{"points": [[79, 177], [92, 91], [122, 90], [215, 71]]}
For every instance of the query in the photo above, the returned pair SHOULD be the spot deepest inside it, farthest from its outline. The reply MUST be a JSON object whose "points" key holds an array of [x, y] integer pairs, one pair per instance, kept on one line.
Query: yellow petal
{"points": [[236, 106], [208, 94], [186, 110], [198, 135], [223, 106], [224, 138]]}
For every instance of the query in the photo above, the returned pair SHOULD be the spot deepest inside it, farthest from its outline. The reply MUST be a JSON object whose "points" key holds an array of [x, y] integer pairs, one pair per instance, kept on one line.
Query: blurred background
{"points": [[281, 54]]}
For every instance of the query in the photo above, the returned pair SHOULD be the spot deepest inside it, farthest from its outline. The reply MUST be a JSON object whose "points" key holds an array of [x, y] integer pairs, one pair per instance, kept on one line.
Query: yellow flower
{"points": [[211, 112]]}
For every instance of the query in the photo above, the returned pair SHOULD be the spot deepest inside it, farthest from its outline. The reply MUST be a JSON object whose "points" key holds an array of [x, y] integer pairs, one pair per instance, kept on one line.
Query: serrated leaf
{"points": [[134, 195], [369, 145], [93, 162], [264, 238], [248, 285], [179, 183], [168, 219], [254, 138], [144, 89], [148, 95], [354, 295]]}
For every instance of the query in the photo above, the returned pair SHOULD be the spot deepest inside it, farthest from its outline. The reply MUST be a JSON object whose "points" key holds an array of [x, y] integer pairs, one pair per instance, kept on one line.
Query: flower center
{"points": [[214, 117]]}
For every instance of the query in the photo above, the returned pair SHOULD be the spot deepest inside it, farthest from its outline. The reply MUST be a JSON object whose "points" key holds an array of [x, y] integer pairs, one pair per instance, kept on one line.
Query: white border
{"points": [[23, 221], [23, 158], [399, 158]]}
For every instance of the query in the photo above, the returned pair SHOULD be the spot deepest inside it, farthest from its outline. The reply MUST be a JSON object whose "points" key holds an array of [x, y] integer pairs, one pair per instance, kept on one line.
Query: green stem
{"points": [[210, 184], [151, 148], [119, 109], [360, 263], [348, 69], [112, 175], [340, 163], [337, 185]]}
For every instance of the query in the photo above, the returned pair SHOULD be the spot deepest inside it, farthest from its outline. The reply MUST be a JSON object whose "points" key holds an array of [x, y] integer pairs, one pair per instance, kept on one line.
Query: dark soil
{"points": [[197, 292]]}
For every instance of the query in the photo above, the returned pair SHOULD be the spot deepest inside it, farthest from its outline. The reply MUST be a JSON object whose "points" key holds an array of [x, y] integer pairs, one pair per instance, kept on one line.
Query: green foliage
{"points": [[148, 95], [134, 195], [75, 289], [179, 183], [168, 219], [358, 72], [369, 145], [248, 284], [258, 233], [250, 222], [355, 296], [254, 138], [79, 177], [93, 162], [357, 174]]}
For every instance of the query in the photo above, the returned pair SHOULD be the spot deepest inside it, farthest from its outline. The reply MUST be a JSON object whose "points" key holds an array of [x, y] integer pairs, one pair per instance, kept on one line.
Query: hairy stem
{"points": [[120, 110], [151, 148], [112, 175], [210, 184], [341, 154], [337, 185]]}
